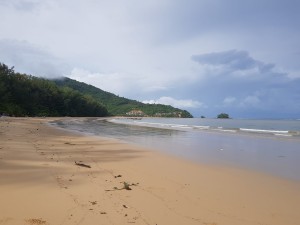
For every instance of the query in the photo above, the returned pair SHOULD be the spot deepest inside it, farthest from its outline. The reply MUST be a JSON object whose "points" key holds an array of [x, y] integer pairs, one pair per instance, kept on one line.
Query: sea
{"points": [[268, 146]]}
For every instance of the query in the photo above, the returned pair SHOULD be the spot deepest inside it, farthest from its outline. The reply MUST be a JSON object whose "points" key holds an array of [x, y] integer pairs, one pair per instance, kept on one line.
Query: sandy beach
{"points": [[51, 176]]}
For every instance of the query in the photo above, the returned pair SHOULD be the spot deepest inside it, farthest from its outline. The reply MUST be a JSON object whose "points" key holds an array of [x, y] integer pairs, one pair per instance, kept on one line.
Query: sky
{"points": [[205, 56]]}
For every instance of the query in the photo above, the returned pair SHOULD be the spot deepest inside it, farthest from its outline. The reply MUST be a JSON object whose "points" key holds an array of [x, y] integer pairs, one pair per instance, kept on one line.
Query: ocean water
{"points": [[269, 146], [286, 128]]}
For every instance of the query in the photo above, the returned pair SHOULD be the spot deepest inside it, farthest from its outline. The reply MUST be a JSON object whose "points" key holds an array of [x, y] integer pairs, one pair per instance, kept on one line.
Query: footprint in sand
{"points": [[36, 221]]}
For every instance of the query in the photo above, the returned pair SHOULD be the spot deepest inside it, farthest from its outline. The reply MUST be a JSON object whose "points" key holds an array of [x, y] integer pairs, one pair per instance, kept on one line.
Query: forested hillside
{"points": [[119, 106], [26, 95], [23, 95]]}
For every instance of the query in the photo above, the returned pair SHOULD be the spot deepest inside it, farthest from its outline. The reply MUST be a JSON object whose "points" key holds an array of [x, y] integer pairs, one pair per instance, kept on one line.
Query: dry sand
{"points": [[41, 184]]}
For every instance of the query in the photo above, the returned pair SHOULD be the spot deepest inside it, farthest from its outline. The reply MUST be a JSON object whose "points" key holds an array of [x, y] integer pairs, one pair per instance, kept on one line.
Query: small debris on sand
{"points": [[68, 143], [126, 186], [82, 164]]}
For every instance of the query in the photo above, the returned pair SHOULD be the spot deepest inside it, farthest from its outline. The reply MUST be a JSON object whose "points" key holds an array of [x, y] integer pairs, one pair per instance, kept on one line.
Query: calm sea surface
{"points": [[270, 146]]}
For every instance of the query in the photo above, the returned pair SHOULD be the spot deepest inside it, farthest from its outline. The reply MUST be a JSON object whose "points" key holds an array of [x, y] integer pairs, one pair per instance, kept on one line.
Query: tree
{"points": [[23, 95], [223, 116]]}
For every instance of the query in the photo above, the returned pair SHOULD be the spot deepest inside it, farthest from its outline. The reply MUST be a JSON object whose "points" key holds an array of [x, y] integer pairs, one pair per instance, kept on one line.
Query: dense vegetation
{"points": [[119, 106], [23, 95], [26, 95], [223, 116]]}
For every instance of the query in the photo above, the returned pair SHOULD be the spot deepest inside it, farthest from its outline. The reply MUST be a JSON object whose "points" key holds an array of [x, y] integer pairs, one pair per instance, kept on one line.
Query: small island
{"points": [[223, 116]]}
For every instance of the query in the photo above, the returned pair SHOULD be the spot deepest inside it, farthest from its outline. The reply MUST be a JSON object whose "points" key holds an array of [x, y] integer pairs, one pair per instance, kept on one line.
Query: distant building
{"points": [[136, 112]]}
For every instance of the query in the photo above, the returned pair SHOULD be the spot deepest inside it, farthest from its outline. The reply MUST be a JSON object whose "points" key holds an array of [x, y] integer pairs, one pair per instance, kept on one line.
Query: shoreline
{"points": [[41, 184], [265, 154], [219, 125]]}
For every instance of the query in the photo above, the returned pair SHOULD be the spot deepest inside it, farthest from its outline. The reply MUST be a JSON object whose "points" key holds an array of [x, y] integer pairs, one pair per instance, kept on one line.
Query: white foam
{"points": [[181, 126], [285, 135], [229, 131], [265, 131], [201, 127]]}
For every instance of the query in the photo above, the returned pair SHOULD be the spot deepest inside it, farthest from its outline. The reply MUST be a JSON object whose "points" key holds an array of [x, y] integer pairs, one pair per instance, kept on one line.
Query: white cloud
{"points": [[178, 103], [31, 59], [294, 74], [251, 101], [229, 100], [115, 82]]}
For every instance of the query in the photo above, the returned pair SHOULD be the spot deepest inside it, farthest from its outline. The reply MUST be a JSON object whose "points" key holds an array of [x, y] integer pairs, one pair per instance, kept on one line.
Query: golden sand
{"points": [[116, 183]]}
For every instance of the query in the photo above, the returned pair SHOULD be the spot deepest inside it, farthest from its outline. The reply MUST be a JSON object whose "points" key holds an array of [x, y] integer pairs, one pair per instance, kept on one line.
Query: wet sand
{"points": [[117, 183]]}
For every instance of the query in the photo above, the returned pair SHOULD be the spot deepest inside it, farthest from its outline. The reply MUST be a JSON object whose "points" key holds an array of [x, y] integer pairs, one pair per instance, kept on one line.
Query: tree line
{"points": [[26, 95]]}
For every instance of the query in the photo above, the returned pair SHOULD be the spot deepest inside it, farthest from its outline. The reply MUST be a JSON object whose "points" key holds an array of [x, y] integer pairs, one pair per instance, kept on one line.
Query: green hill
{"points": [[119, 106], [26, 95]]}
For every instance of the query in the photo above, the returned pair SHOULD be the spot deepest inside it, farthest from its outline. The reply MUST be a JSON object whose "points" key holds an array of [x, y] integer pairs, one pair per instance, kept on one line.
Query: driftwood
{"points": [[82, 164]]}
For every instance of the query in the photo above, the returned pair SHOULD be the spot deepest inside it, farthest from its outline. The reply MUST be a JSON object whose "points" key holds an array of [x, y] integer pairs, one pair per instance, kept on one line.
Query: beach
{"points": [[52, 176]]}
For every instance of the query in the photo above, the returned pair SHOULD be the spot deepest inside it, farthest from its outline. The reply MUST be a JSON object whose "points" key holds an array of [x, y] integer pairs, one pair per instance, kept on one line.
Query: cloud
{"points": [[233, 60], [115, 82], [178, 103], [143, 49], [251, 101], [229, 100], [120, 83], [252, 87], [30, 59]]}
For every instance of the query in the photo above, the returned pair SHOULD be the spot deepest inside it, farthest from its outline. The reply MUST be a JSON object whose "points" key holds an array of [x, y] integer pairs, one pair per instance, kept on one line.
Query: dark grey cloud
{"points": [[238, 83], [234, 60], [27, 58], [239, 60]]}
